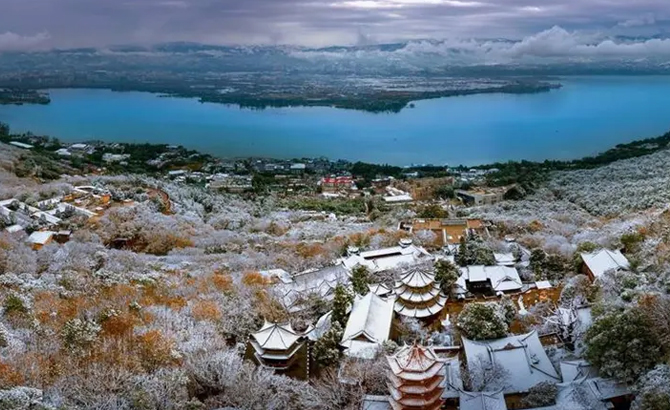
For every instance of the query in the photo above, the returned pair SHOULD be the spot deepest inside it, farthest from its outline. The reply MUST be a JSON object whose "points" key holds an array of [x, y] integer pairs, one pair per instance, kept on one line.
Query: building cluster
{"points": [[47, 220], [440, 376]]}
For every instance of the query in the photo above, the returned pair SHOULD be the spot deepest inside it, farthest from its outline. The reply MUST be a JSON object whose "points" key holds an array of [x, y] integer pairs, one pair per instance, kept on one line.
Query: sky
{"points": [[40, 24]]}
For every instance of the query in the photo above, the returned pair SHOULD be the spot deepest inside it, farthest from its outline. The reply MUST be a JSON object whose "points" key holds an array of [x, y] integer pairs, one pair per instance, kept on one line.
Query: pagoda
{"points": [[280, 348], [418, 294], [416, 379]]}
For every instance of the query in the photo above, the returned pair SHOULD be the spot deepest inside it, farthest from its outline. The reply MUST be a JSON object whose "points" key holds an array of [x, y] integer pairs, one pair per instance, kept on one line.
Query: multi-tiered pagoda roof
{"points": [[418, 294], [416, 379]]}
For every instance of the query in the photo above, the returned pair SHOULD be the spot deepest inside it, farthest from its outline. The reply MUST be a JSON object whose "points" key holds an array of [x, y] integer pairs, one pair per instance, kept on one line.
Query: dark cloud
{"points": [[71, 23]]}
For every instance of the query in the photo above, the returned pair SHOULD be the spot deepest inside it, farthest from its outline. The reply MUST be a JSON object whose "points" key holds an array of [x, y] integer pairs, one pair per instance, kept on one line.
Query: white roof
{"points": [[453, 382], [321, 282], [502, 278], [78, 146], [505, 259], [575, 370], [398, 198], [273, 336], [40, 237], [543, 284], [521, 356], [375, 403], [482, 401], [14, 228], [369, 321], [388, 258], [321, 327], [21, 144], [604, 260]]}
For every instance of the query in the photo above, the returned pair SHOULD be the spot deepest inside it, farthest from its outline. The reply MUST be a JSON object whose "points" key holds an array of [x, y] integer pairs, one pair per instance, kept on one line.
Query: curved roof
{"points": [[417, 278], [273, 336]]}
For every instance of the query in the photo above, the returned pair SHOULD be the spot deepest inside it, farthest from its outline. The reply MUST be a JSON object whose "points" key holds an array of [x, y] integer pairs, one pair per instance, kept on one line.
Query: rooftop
{"points": [[605, 260], [522, 357]]}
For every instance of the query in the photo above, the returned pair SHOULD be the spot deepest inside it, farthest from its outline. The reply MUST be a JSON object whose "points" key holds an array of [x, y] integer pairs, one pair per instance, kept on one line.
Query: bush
{"points": [[541, 395]]}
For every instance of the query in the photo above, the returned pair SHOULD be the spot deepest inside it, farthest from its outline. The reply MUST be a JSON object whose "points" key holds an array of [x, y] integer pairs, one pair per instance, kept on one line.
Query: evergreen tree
{"points": [[446, 274], [360, 278], [326, 351], [483, 321], [621, 345], [341, 303]]}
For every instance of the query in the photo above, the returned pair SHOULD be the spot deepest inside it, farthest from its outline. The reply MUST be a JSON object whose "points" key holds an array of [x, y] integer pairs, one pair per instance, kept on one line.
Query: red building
{"points": [[416, 379]]}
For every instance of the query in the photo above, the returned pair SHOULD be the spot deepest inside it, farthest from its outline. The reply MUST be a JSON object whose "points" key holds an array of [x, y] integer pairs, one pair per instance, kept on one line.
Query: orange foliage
{"points": [[9, 377], [253, 279], [310, 250], [155, 350], [222, 282], [206, 310], [119, 326]]}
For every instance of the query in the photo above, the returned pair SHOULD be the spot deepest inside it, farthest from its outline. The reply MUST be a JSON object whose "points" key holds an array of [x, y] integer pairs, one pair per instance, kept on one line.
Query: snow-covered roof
{"points": [[604, 260], [413, 364], [369, 322], [273, 336], [543, 284], [321, 327], [505, 259], [418, 294], [502, 278], [380, 289], [453, 382], [14, 228], [521, 356], [321, 282], [388, 258], [575, 370], [482, 401], [375, 403], [40, 237]]}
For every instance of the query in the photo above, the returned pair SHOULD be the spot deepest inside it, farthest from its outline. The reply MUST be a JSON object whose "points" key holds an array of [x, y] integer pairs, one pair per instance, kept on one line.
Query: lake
{"points": [[586, 116]]}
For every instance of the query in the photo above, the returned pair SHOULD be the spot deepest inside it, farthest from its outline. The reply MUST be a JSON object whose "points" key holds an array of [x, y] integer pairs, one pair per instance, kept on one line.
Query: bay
{"points": [[586, 116]]}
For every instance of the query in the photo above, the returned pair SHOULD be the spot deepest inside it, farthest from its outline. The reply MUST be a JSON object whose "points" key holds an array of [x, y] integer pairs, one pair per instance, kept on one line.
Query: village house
{"points": [[482, 196], [597, 263], [395, 196], [488, 280], [280, 348], [521, 358], [448, 231], [39, 239], [337, 184], [368, 327]]}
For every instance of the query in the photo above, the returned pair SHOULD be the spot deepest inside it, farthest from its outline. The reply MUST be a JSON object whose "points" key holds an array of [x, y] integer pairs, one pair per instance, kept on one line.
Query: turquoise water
{"points": [[586, 116]]}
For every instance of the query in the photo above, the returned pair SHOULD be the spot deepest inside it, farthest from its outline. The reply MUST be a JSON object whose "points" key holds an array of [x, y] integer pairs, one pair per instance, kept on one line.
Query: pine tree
{"points": [[341, 303], [446, 274], [360, 278], [326, 350]]}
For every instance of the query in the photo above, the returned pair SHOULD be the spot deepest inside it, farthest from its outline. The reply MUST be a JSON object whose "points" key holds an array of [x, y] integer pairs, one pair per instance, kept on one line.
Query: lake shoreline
{"points": [[586, 116]]}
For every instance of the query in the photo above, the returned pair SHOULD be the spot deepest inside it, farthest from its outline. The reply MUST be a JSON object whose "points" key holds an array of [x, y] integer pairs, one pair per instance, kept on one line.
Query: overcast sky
{"points": [[30, 24]]}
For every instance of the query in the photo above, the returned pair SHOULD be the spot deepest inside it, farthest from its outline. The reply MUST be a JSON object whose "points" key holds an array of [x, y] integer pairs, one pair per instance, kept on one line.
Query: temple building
{"points": [[280, 348], [418, 294], [416, 379]]}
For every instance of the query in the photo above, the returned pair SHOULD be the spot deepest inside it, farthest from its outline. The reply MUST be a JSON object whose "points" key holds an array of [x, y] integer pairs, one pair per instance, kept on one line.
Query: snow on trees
{"points": [[483, 321]]}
